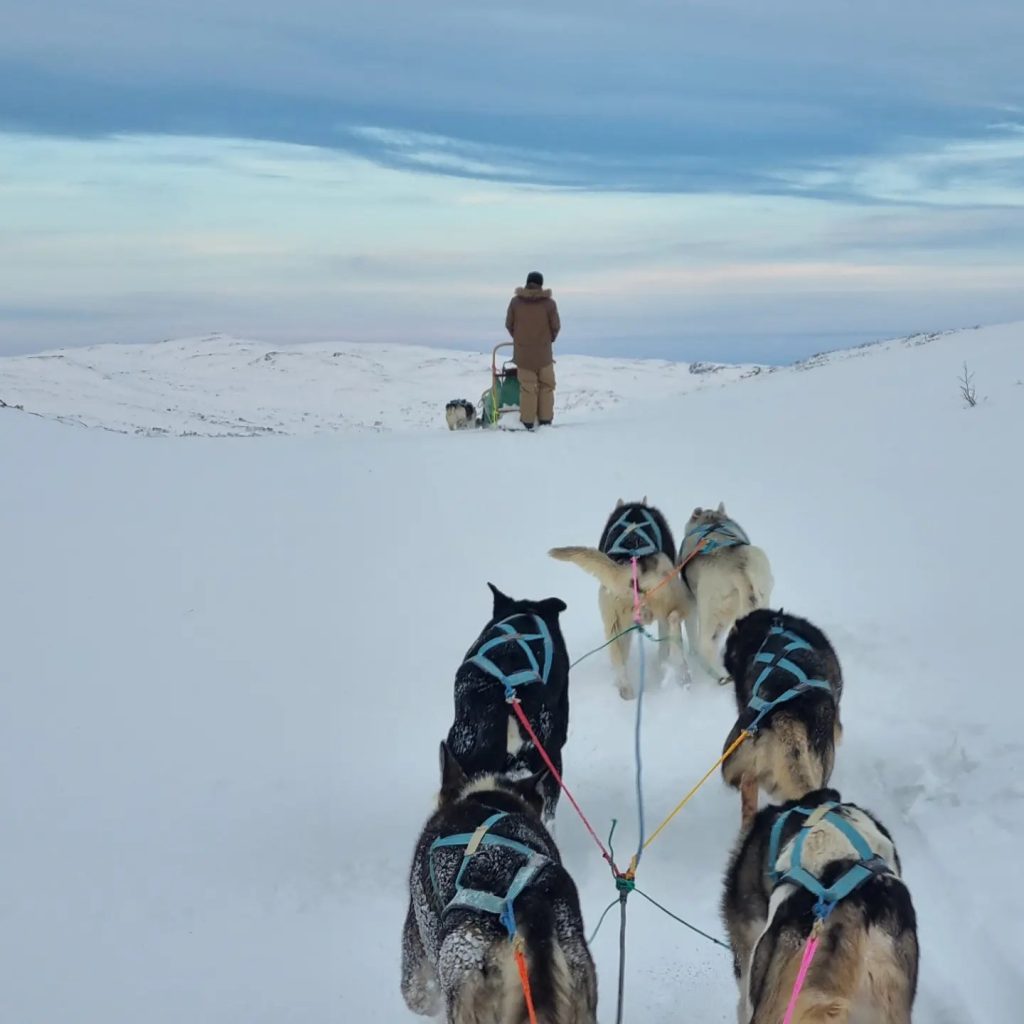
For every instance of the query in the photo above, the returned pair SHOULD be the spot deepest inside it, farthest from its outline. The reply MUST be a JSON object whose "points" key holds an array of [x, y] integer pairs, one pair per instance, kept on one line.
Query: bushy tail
{"points": [[832, 981], [611, 574], [760, 582], [788, 767]]}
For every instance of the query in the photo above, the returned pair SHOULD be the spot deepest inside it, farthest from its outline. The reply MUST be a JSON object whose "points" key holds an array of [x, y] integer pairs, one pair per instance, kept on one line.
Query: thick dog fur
{"points": [[485, 735], [793, 751], [669, 605], [725, 585], [462, 962], [865, 969], [460, 413]]}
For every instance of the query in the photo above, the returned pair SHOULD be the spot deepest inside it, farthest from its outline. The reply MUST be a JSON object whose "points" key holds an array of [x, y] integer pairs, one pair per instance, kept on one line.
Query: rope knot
{"points": [[625, 882]]}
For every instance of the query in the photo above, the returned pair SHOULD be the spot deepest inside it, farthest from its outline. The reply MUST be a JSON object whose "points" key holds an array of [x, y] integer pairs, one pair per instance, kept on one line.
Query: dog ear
{"points": [[502, 602], [453, 777], [721, 507], [529, 789], [697, 511], [644, 502], [551, 606], [619, 503]]}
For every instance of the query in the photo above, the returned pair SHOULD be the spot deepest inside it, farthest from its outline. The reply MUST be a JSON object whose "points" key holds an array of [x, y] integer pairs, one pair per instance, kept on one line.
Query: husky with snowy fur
{"points": [[792, 751], [458, 959], [865, 967], [635, 529], [726, 580], [486, 735]]}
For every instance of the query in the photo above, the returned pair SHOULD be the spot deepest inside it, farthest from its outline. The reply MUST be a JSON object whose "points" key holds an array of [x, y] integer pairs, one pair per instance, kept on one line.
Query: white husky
{"points": [[636, 530], [726, 580]]}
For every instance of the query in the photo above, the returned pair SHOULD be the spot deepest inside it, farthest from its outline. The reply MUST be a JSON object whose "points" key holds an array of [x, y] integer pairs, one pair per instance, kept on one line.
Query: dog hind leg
{"points": [[707, 646], [419, 982], [618, 645], [575, 966], [676, 654]]}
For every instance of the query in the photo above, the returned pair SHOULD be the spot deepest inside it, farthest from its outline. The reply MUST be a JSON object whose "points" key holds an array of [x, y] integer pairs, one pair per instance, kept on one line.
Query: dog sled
{"points": [[500, 398]]}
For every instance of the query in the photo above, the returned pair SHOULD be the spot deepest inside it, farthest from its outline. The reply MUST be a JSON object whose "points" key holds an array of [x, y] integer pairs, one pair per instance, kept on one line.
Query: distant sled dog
{"points": [[521, 648], [635, 529], [728, 578], [483, 864], [788, 688], [820, 858], [460, 413]]}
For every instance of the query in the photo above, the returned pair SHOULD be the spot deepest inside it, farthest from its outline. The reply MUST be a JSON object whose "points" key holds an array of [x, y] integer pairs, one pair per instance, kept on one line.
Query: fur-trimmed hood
{"points": [[533, 293]]}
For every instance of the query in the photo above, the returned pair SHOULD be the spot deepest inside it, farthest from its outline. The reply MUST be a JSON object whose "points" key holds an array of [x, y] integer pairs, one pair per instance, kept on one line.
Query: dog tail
{"points": [[563, 992], [760, 582], [612, 575], [832, 982], [795, 768]]}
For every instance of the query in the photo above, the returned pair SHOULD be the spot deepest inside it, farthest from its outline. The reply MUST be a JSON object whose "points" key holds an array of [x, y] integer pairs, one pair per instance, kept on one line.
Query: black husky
{"points": [[793, 748], [522, 646], [485, 869], [810, 858]]}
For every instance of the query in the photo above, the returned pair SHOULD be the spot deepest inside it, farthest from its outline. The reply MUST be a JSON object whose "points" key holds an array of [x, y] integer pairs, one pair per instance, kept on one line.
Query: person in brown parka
{"points": [[532, 320]]}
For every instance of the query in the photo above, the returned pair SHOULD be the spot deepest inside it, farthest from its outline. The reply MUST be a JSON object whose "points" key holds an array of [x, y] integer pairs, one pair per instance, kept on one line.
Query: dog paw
{"points": [[724, 680], [683, 677], [626, 691]]}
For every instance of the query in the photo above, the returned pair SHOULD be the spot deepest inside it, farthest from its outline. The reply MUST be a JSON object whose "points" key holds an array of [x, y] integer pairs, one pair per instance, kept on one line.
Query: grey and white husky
{"points": [[484, 865], [728, 578]]}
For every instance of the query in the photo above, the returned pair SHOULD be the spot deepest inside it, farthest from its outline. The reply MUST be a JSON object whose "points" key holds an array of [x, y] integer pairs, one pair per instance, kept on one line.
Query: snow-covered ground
{"points": [[222, 386], [226, 668]]}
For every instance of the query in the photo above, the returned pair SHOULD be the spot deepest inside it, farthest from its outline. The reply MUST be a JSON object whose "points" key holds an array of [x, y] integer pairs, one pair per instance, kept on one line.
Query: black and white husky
{"points": [[795, 862], [485, 866], [635, 530], [522, 645], [788, 687], [460, 413]]}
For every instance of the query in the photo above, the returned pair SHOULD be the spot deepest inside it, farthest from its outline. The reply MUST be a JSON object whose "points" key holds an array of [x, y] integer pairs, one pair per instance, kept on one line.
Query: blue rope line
{"points": [[639, 758]]}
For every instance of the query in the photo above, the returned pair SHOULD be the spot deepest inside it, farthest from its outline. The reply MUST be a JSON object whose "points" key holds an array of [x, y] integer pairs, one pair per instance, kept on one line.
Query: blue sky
{"points": [[723, 179]]}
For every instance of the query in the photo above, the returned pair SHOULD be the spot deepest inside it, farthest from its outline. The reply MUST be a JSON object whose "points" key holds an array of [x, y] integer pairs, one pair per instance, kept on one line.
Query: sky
{"points": [[700, 179]]}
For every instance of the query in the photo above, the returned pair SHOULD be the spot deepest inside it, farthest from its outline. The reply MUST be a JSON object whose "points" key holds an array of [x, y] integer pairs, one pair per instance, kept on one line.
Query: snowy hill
{"points": [[226, 669], [222, 386]]}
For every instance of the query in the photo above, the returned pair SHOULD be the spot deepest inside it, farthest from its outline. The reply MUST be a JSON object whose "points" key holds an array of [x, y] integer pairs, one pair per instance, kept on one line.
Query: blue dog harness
{"points": [[506, 633], [870, 864], [724, 534], [646, 531], [775, 661], [479, 899]]}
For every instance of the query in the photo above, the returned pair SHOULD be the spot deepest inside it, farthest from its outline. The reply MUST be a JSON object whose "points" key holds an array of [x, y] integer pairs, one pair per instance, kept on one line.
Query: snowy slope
{"points": [[219, 386], [222, 386], [226, 669]]}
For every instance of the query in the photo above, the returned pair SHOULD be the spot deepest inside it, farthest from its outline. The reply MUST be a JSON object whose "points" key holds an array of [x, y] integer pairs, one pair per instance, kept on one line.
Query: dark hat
{"points": [[535, 277]]}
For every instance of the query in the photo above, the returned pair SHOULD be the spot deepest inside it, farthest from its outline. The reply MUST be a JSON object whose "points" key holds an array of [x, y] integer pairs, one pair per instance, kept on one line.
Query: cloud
{"points": [[731, 95], [134, 238]]}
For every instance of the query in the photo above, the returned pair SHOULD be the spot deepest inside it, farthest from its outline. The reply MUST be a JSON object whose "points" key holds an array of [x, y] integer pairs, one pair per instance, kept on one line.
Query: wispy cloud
{"points": [[715, 169], [154, 236]]}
